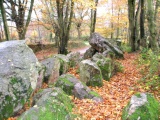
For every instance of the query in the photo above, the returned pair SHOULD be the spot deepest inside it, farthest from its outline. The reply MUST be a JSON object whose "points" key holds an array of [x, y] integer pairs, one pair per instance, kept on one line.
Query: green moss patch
{"points": [[149, 111], [93, 93], [65, 83], [57, 106], [15, 98], [96, 80], [105, 67]]}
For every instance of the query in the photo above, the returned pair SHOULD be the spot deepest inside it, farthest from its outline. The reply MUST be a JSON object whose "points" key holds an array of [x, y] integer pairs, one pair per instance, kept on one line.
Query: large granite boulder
{"points": [[101, 44], [19, 71], [142, 106], [89, 53], [105, 65], [90, 73], [72, 86], [52, 67], [74, 58], [64, 63], [50, 104], [40, 79]]}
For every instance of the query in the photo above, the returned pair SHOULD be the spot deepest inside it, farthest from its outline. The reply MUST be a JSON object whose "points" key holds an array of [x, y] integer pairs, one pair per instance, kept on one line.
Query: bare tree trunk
{"points": [[64, 22], [131, 16], [18, 11], [28, 18], [93, 18], [79, 32], [142, 20], [7, 34], [118, 24], [1, 31], [156, 10], [152, 26], [137, 17], [112, 22]]}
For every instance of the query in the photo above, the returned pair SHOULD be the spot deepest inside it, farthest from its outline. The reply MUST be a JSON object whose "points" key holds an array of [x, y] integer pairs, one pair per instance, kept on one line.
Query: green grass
{"points": [[151, 77]]}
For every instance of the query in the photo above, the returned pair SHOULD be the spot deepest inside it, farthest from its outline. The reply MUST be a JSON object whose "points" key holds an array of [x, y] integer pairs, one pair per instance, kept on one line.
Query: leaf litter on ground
{"points": [[116, 93]]}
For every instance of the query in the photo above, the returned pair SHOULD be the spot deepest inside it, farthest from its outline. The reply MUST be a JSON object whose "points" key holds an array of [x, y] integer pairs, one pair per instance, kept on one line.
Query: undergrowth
{"points": [[125, 47], [150, 69]]}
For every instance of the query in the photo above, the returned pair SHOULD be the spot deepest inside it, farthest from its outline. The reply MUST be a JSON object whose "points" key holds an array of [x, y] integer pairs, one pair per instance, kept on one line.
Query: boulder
{"points": [[142, 106], [100, 44], [64, 63], [109, 53], [117, 67], [52, 67], [40, 79], [74, 58], [50, 104], [90, 73], [66, 82], [72, 86], [105, 65], [81, 91], [89, 53], [19, 71]]}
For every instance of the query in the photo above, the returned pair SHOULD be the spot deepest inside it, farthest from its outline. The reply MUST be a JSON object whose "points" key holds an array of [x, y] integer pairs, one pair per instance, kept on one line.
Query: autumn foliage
{"points": [[116, 93]]}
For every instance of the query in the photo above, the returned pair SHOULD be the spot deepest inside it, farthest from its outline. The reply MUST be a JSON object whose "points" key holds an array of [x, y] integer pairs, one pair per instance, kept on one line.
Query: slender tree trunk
{"points": [[118, 24], [131, 16], [7, 34], [18, 16], [93, 18], [79, 32], [112, 31], [137, 17], [142, 21], [28, 18], [57, 35], [152, 26], [112, 23], [156, 10], [64, 23], [1, 32]]}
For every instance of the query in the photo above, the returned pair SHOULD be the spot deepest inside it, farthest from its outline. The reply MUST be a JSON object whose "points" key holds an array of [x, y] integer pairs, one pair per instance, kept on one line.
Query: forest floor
{"points": [[115, 93]]}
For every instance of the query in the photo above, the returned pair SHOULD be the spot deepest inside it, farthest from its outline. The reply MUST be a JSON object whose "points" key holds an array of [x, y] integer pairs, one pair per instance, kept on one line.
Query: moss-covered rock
{"points": [[105, 65], [89, 53], [66, 82], [19, 72], [52, 67], [74, 58], [116, 67], [51, 104], [64, 63], [143, 106], [101, 44], [72, 86], [90, 73]]}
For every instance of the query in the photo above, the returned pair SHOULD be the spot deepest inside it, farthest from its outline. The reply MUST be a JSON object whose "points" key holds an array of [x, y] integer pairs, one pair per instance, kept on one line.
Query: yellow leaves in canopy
{"points": [[86, 3], [105, 31], [34, 33]]}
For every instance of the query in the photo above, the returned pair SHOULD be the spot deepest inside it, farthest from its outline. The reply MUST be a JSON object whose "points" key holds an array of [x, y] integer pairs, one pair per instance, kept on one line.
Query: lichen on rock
{"points": [[50, 104], [19, 72], [90, 73], [73, 86], [142, 106]]}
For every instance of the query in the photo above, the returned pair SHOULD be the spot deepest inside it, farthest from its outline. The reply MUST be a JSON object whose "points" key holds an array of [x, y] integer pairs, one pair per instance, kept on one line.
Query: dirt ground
{"points": [[45, 53]]}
